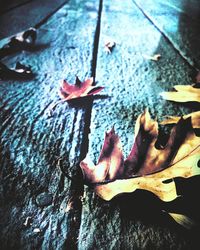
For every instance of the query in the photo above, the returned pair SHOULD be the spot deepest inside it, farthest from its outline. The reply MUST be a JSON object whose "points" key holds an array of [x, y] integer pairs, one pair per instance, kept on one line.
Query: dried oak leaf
{"points": [[146, 167], [183, 93], [195, 119], [80, 89]]}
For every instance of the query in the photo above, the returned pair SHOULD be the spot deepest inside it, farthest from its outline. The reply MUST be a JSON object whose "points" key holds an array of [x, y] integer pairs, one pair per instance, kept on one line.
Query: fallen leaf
{"points": [[80, 89], [155, 57], [109, 45], [110, 163], [183, 93], [22, 41], [146, 167], [20, 71], [195, 119]]}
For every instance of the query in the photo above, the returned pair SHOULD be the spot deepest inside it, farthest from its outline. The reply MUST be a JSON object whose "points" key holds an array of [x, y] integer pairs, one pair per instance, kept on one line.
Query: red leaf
{"points": [[79, 89]]}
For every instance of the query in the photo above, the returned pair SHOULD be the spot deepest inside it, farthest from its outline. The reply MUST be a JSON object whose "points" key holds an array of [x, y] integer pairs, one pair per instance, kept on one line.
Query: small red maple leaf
{"points": [[78, 90]]}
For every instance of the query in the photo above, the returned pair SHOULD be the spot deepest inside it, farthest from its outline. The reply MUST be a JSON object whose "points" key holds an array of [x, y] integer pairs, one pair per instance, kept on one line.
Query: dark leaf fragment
{"points": [[22, 41], [19, 72]]}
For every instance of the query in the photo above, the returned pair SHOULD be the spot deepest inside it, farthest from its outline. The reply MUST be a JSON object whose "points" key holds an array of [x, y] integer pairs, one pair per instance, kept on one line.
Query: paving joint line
{"points": [[187, 60]]}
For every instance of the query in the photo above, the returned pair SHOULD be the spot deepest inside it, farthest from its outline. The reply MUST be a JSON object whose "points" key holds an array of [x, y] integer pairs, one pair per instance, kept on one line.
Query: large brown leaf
{"points": [[184, 93], [146, 167], [195, 119], [110, 164]]}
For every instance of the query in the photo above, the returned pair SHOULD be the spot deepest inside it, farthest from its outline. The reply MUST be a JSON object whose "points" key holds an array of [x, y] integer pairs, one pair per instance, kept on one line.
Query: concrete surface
{"points": [[20, 15], [36, 150]]}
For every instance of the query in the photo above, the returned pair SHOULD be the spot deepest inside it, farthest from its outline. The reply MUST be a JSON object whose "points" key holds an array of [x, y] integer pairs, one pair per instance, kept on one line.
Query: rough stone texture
{"points": [[132, 83], [35, 148], [28, 15], [179, 22], [32, 142]]}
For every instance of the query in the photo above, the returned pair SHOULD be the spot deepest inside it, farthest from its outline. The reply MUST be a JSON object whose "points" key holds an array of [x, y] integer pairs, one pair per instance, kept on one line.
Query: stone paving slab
{"points": [[27, 15], [132, 84], [179, 22], [34, 145], [36, 148], [11, 4]]}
